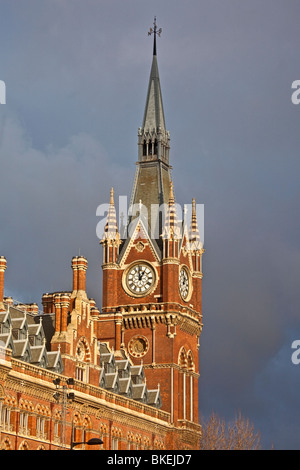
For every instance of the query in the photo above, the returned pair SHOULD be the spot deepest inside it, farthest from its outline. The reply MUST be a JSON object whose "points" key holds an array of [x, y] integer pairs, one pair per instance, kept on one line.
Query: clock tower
{"points": [[152, 278]]}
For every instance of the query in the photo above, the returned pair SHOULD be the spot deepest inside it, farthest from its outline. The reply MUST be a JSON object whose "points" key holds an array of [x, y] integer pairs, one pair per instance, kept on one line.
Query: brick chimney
{"points": [[65, 302], [75, 273], [9, 301], [57, 306], [33, 308], [3, 265], [81, 267]]}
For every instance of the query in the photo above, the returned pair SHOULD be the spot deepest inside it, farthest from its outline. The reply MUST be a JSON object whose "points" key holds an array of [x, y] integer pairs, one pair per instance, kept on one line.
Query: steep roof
{"points": [[26, 338], [154, 111]]}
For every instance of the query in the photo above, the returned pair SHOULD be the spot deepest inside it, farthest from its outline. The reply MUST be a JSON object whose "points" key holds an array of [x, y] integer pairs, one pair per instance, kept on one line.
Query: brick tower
{"points": [[152, 279]]}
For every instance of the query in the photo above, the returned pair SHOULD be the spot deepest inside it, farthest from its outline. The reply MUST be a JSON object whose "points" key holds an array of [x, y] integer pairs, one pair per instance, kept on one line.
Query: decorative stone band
{"points": [[171, 366]]}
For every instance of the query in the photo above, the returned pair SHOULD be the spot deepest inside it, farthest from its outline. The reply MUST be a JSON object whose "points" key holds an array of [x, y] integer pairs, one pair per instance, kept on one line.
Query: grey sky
{"points": [[76, 75]]}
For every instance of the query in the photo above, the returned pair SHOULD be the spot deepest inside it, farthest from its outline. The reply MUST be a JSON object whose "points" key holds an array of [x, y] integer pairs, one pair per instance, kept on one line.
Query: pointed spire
{"points": [[171, 228], [194, 235], [171, 196], [154, 113], [153, 172], [111, 228]]}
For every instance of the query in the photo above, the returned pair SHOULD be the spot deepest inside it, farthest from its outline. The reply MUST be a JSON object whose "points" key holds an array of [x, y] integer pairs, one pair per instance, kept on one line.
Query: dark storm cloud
{"points": [[76, 76]]}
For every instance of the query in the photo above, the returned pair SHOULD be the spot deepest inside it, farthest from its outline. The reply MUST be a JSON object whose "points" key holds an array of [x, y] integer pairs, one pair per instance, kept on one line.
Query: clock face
{"points": [[184, 283], [140, 279]]}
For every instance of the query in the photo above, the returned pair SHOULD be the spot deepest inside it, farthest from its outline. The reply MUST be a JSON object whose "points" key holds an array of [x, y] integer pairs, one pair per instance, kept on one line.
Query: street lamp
{"points": [[63, 398], [91, 442]]}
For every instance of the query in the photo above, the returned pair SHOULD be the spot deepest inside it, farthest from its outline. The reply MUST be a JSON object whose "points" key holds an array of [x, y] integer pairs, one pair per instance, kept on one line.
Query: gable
{"points": [[139, 245], [185, 255]]}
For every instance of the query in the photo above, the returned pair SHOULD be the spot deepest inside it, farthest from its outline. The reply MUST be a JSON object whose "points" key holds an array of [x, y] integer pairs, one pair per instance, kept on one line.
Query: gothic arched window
{"points": [[144, 148]]}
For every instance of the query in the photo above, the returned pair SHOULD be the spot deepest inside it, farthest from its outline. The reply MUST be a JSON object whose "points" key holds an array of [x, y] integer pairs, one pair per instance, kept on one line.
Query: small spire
{"points": [[194, 235], [171, 228], [171, 195], [111, 228], [155, 32], [112, 196]]}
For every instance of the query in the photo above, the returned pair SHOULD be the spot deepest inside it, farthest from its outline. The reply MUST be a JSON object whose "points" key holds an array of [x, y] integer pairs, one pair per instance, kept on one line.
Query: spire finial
{"points": [[111, 228], [171, 228], [194, 207], [112, 196], [194, 236], [154, 31], [171, 196]]}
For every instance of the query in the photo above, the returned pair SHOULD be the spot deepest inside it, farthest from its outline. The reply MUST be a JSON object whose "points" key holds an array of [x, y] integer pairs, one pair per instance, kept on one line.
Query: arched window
{"points": [[144, 148], [6, 418], [24, 446], [116, 435], [57, 427], [6, 445], [104, 436], [190, 387], [182, 361]]}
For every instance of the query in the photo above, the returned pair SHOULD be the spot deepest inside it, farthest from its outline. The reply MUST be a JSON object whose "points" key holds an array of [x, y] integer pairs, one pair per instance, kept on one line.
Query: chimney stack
{"points": [[65, 303], [3, 265], [9, 301], [57, 306], [75, 273], [82, 267], [33, 308], [79, 266]]}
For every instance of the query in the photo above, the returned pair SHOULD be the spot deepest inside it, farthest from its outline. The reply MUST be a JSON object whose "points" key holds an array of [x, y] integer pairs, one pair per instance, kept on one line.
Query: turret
{"points": [[111, 242]]}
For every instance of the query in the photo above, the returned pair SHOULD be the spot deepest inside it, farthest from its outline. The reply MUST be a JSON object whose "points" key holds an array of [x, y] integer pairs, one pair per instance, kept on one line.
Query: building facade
{"points": [[126, 373]]}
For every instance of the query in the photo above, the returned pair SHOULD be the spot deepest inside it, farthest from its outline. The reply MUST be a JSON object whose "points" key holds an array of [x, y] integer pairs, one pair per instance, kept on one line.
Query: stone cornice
{"points": [[171, 366], [137, 315], [170, 260]]}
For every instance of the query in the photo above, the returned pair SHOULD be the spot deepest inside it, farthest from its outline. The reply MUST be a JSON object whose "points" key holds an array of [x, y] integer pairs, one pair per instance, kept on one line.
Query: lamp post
{"points": [[62, 395], [91, 442]]}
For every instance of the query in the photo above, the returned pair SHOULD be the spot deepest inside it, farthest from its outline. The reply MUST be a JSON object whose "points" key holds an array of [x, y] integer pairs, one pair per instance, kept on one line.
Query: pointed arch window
{"points": [[144, 148], [23, 423], [6, 419]]}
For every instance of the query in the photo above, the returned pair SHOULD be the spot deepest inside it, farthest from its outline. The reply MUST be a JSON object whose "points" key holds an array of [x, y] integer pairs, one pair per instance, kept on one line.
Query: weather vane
{"points": [[154, 31]]}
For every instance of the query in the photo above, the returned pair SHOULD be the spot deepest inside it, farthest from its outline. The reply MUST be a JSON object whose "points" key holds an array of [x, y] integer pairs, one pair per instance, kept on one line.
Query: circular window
{"points": [[138, 346]]}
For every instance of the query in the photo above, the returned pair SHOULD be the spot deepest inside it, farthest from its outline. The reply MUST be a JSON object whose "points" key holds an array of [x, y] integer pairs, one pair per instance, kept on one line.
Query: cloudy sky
{"points": [[76, 76]]}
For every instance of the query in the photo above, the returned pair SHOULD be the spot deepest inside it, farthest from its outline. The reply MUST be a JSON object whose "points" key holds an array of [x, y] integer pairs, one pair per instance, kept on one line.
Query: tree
{"points": [[236, 435]]}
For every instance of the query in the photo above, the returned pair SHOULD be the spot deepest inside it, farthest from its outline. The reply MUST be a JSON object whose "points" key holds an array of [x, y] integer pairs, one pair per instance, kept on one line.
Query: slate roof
{"points": [[120, 376], [23, 333]]}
